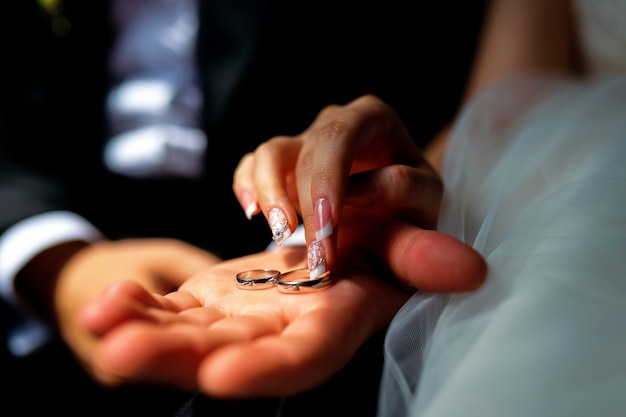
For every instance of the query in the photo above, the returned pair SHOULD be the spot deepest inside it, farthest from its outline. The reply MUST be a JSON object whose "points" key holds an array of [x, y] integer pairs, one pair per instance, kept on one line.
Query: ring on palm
{"points": [[291, 282], [257, 279], [298, 281]]}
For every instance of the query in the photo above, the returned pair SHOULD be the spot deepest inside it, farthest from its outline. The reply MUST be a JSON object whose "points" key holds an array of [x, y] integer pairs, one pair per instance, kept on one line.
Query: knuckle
{"points": [[333, 130], [271, 145]]}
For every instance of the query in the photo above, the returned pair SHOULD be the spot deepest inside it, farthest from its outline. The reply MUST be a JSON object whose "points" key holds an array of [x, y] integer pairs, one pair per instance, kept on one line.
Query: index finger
{"points": [[362, 135]]}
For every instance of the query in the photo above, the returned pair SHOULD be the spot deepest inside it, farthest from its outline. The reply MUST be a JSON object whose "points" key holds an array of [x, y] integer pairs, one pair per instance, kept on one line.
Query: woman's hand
{"points": [[358, 158]]}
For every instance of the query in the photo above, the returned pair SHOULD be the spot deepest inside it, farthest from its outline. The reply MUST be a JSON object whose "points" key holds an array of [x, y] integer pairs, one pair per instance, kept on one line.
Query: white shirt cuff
{"points": [[22, 241]]}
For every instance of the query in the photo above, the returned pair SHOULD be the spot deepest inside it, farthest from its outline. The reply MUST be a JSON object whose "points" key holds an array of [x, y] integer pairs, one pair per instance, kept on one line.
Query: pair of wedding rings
{"points": [[296, 281]]}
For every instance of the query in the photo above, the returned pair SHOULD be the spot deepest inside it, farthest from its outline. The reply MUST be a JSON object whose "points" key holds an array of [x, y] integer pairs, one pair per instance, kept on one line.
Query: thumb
{"points": [[433, 261]]}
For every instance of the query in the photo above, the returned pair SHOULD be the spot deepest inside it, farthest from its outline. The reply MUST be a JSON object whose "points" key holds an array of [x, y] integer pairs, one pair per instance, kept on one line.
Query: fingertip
{"points": [[279, 224], [248, 201], [467, 272], [477, 271], [457, 267], [251, 209], [89, 317], [433, 261]]}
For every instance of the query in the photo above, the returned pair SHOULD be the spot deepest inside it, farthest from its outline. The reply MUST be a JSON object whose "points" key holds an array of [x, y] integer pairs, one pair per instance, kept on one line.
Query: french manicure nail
{"points": [[250, 210], [249, 203], [322, 219]]}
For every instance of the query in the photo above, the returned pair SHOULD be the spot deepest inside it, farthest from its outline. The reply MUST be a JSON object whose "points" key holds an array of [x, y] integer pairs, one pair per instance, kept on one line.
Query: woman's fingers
{"points": [[264, 182], [307, 174], [344, 140], [243, 185], [390, 215], [412, 193]]}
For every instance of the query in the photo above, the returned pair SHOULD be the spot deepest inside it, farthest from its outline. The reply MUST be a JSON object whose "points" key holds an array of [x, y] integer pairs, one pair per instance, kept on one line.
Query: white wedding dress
{"points": [[535, 180]]}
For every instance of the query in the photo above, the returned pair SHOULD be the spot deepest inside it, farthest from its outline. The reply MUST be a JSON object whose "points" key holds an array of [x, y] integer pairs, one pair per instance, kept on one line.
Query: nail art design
{"points": [[316, 261], [322, 218], [279, 225]]}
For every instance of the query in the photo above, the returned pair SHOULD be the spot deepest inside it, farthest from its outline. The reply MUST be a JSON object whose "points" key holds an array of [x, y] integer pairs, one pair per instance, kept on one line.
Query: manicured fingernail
{"points": [[279, 225], [249, 203], [322, 219], [250, 210], [316, 261]]}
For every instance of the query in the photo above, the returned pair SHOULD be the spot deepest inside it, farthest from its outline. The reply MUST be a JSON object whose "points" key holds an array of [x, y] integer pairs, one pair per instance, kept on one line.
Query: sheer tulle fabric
{"points": [[536, 181]]}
